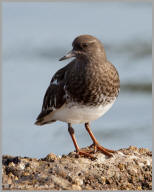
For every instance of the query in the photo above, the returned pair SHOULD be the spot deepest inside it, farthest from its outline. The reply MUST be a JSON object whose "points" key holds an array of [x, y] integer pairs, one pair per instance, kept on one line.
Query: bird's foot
{"points": [[105, 151], [86, 153]]}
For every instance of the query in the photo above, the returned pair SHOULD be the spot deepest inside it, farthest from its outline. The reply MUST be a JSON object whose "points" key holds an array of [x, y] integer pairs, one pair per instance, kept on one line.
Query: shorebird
{"points": [[82, 91]]}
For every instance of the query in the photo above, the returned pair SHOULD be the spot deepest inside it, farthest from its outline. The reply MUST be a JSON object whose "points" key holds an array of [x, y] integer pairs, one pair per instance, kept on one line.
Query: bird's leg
{"points": [[78, 150], [96, 144]]}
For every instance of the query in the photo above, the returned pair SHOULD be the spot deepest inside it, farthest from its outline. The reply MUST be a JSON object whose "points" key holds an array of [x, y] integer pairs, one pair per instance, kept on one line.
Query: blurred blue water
{"points": [[36, 35]]}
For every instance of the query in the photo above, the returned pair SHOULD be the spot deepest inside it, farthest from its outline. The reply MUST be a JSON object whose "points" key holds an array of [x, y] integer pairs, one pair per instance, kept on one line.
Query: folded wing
{"points": [[54, 97]]}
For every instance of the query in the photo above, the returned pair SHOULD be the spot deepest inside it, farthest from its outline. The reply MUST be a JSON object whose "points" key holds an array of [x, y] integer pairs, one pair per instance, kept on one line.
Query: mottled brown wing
{"points": [[55, 95]]}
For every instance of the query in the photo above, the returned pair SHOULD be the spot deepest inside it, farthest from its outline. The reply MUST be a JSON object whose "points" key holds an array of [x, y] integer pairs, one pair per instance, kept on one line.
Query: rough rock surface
{"points": [[128, 169]]}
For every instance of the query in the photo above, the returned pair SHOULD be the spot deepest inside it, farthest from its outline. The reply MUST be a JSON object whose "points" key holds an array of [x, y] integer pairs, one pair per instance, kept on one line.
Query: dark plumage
{"points": [[90, 81]]}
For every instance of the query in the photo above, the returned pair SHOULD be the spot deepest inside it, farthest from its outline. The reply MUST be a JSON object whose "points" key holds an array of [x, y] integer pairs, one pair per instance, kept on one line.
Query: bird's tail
{"points": [[43, 119], [43, 122]]}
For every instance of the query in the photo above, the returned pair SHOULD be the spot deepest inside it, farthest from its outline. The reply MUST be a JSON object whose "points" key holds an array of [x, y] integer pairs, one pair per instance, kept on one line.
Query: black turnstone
{"points": [[82, 91]]}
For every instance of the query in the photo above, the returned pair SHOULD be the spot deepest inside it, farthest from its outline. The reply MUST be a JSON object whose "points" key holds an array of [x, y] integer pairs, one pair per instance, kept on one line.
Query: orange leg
{"points": [[78, 150], [97, 146]]}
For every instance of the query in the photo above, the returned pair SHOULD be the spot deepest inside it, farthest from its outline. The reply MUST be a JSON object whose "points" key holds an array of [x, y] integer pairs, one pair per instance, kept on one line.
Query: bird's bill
{"points": [[68, 55]]}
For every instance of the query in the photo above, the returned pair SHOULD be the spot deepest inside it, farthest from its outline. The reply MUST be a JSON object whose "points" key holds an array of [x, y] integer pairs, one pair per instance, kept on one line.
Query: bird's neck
{"points": [[92, 59]]}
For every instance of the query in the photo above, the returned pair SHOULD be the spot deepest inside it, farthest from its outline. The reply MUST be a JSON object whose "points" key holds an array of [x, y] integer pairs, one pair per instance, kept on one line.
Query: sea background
{"points": [[36, 35]]}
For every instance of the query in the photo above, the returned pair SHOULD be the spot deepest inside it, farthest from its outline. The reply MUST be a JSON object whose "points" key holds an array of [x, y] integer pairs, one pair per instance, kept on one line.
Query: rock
{"points": [[128, 169]]}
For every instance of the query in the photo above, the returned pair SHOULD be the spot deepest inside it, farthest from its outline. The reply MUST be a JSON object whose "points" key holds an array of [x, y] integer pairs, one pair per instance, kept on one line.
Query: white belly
{"points": [[79, 114]]}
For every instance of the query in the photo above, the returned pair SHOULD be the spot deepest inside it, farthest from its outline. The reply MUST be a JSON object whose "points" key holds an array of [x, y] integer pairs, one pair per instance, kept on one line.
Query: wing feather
{"points": [[55, 95]]}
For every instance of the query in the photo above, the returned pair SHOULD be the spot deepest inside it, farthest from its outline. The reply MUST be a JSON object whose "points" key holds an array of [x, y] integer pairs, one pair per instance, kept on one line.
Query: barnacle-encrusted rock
{"points": [[128, 169]]}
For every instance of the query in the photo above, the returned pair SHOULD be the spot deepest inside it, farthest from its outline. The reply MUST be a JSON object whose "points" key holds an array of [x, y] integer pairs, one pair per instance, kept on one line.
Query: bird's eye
{"points": [[84, 45], [78, 47]]}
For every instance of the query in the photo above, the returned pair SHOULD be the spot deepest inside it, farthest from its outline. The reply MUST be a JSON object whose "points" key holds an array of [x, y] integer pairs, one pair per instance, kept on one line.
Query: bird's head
{"points": [[85, 46]]}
